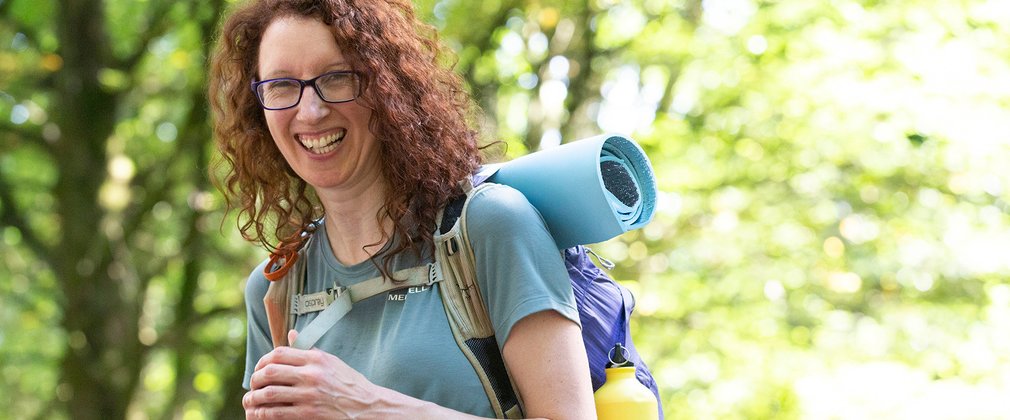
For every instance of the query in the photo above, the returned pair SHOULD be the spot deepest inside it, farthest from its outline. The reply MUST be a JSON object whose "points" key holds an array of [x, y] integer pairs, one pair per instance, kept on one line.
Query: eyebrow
{"points": [[338, 66]]}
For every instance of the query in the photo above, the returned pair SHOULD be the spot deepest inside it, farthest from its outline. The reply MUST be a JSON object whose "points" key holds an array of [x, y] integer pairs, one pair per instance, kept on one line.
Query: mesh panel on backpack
{"points": [[490, 359]]}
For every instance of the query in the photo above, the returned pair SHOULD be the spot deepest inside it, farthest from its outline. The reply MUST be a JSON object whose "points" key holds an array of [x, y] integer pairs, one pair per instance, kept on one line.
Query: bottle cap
{"points": [[618, 358]]}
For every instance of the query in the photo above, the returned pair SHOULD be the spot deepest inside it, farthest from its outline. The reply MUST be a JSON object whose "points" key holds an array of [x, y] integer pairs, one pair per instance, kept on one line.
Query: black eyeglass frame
{"points": [[301, 90]]}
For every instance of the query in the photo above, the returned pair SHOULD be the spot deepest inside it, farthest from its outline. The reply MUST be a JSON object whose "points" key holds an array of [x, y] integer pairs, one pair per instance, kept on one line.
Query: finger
{"points": [[275, 374], [274, 396], [277, 412], [292, 336], [247, 403], [284, 355]]}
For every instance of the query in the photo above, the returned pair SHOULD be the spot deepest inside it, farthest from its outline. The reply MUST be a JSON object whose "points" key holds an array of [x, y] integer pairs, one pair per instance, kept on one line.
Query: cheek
{"points": [[275, 124], [359, 111], [362, 118]]}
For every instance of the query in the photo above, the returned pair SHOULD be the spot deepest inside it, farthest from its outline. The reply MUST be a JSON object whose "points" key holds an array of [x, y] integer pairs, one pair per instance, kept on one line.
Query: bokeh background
{"points": [[832, 237]]}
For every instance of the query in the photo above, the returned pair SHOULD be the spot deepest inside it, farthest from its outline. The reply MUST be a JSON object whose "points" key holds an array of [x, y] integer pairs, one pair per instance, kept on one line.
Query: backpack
{"points": [[604, 309], [604, 305]]}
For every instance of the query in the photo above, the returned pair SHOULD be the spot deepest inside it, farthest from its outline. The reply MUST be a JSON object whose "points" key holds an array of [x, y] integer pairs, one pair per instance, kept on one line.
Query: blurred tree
{"points": [[104, 191]]}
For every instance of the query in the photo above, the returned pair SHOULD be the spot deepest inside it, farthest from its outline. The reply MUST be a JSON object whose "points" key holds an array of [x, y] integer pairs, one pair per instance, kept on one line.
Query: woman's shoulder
{"points": [[500, 202], [497, 209], [257, 283]]}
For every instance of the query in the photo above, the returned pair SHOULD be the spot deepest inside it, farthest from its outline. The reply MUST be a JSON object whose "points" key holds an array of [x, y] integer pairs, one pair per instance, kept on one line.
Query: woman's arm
{"points": [[547, 361]]}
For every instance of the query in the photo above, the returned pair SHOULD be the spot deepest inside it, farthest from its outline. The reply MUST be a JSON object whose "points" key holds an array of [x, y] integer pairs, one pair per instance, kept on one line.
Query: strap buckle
{"points": [[434, 273], [302, 304]]}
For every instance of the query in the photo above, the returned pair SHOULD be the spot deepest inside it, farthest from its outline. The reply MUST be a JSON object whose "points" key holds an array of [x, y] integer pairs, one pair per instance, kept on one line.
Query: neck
{"points": [[353, 227]]}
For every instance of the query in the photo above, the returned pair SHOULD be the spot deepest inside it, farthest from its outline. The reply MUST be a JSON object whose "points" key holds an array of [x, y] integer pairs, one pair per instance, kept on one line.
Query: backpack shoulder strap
{"points": [[468, 317], [284, 273]]}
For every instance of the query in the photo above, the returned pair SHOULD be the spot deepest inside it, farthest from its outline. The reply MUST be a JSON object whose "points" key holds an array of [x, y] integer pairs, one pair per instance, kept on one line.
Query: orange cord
{"points": [[289, 260]]}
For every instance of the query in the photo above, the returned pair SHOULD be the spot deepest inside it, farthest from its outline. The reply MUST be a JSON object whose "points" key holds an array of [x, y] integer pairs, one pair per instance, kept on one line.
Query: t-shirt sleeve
{"points": [[519, 268], [258, 342]]}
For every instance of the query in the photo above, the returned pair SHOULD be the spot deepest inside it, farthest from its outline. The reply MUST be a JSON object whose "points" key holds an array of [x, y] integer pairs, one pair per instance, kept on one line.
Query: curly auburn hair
{"points": [[421, 117]]}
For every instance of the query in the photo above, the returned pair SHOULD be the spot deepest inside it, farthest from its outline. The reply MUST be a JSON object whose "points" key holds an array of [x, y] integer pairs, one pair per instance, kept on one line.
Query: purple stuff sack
{"points": [[604, 310]]}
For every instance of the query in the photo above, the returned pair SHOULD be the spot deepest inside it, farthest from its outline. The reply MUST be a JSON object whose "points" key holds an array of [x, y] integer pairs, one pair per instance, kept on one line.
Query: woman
{"points": [[337, 112]]}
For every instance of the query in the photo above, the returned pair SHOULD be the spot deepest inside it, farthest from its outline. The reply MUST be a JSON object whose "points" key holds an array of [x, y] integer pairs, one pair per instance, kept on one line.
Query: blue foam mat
{"points": [[566, 185]]}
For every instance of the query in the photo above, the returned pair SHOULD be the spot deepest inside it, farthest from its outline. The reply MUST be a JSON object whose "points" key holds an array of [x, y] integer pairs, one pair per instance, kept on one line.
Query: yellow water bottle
{"points": [[622, 396]]}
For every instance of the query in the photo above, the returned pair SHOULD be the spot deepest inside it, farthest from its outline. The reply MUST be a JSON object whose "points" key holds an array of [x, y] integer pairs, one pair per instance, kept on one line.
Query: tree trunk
{"points": [[95, 367]]}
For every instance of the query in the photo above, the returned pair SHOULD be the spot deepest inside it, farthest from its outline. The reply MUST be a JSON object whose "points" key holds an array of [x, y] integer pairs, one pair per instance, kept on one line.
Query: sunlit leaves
{"points": [[802, 163]]}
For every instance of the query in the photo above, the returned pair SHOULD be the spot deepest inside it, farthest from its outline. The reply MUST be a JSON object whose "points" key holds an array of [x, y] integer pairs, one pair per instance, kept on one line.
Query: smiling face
{"points": [[328, 145]]}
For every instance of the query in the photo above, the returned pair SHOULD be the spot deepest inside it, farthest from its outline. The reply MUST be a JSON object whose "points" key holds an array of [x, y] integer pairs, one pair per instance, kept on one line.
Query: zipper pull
{"points": [[609, 265]]}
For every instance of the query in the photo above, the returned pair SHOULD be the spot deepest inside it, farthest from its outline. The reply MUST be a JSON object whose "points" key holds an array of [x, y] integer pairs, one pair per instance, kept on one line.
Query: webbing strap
{"points": [[422, 275], [308, 336], [344, 299]]}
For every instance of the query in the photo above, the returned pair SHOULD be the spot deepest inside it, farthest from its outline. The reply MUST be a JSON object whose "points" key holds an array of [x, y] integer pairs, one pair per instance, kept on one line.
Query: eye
{"points": [[280, 86], [338, 86], [336, 79]]}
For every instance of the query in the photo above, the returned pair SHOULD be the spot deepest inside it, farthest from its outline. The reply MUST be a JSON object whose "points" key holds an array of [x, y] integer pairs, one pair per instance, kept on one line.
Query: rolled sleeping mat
{"points": [[588, 190]]}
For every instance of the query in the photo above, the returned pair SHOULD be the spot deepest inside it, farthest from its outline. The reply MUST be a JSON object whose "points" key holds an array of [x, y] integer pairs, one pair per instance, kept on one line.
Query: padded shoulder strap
{"points": [[468, 317], [284, 274]]}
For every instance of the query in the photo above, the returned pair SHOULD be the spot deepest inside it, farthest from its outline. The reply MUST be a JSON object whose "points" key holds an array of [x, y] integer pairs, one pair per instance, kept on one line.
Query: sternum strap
{"points": [[342, 299]]}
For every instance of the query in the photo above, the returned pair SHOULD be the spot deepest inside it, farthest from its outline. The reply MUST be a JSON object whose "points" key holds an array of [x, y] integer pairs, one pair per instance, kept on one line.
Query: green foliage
{"points": [[831, 231], [820, 187]]}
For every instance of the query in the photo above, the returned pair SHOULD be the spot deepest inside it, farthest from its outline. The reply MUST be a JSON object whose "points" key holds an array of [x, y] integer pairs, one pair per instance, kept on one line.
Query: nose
{"points": [[311, 108]]}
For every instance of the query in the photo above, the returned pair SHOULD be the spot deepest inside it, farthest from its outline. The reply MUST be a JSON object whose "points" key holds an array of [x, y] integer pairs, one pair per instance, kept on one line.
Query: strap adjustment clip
{"points": [[434, 273]]}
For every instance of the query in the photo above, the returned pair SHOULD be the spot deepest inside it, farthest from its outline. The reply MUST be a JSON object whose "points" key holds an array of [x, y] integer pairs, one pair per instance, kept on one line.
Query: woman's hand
{"points": [[307, 384]]}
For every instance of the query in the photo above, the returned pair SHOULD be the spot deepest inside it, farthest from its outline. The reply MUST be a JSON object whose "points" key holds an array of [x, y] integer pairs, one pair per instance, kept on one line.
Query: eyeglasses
{"points": [[334, 87]]}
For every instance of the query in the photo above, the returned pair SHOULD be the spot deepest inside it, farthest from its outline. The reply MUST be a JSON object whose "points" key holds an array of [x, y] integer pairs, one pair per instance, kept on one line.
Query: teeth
{"points": [[322, 144]]}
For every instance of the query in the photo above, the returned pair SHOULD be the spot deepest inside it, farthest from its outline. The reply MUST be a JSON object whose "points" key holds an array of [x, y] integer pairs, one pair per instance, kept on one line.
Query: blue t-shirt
{"points": [[401, 339]]}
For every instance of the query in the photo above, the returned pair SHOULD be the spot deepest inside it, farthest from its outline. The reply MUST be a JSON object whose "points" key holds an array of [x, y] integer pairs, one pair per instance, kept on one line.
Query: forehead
{"points": [[298, 47]]}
